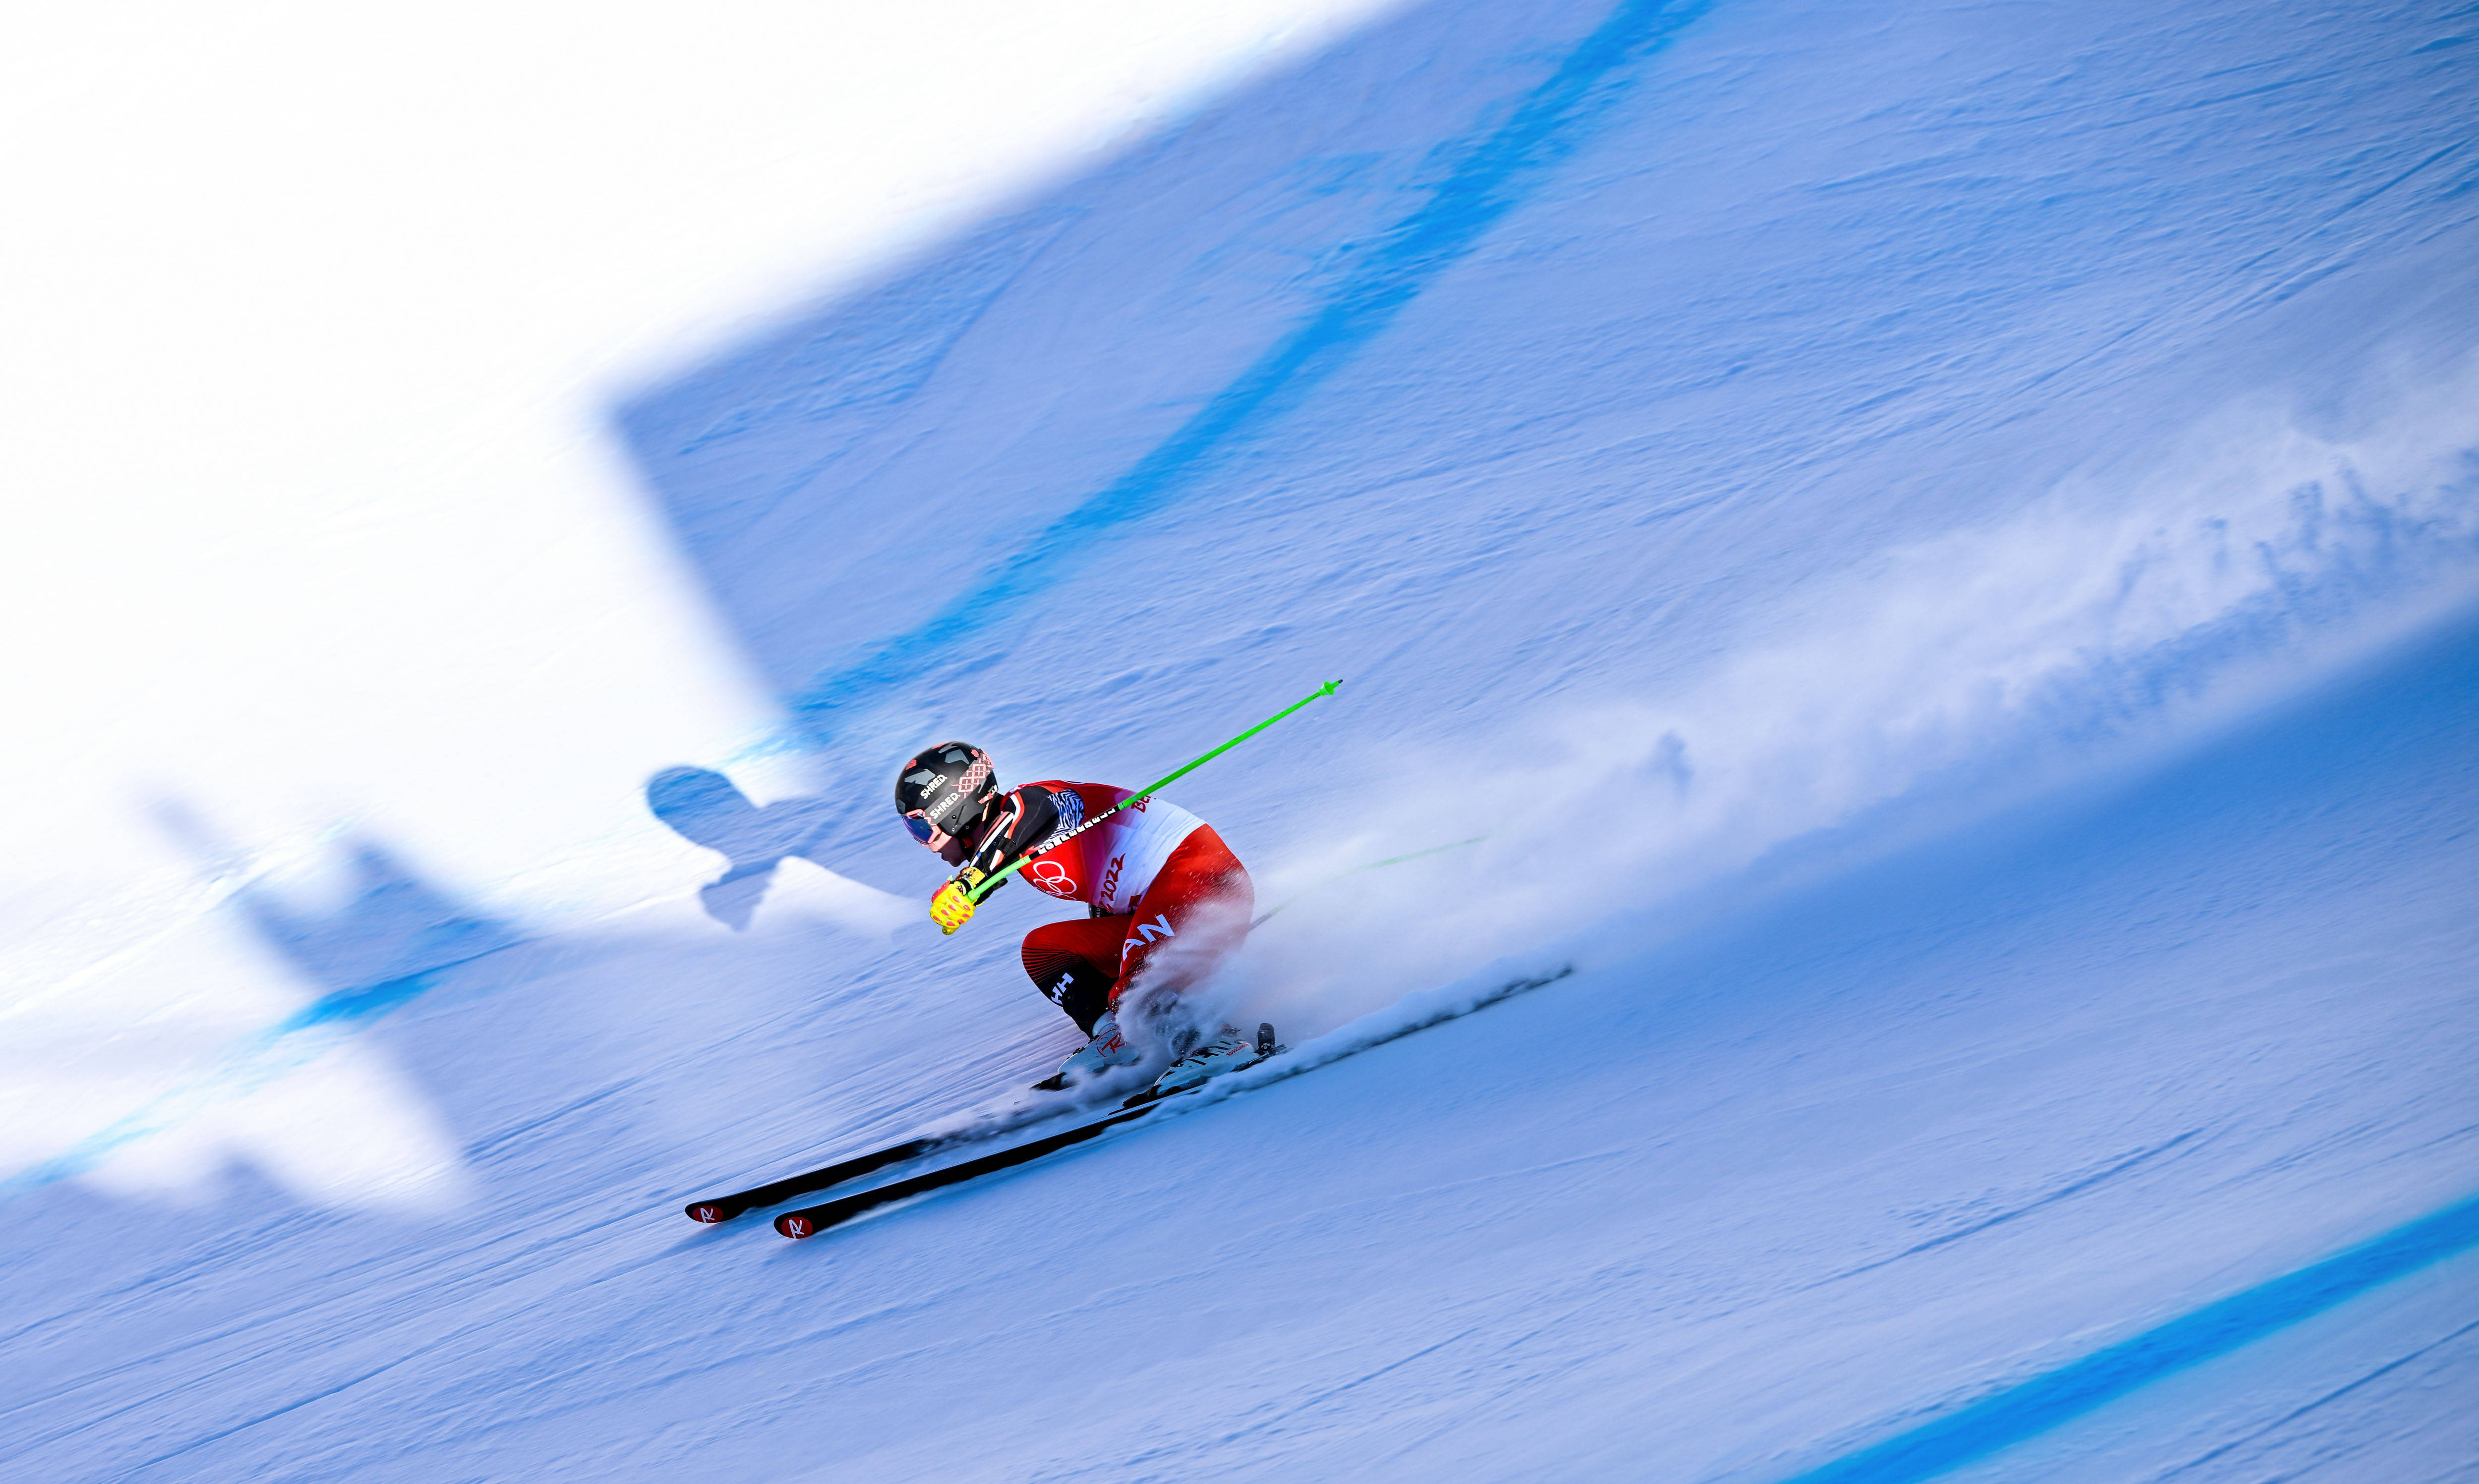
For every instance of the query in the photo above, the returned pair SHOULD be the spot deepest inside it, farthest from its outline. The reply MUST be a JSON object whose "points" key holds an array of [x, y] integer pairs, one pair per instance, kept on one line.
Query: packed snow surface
{"points": [[1917, 570]]}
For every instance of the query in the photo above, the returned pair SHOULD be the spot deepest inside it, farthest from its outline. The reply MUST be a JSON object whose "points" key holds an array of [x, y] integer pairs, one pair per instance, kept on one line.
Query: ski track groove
{"points": [[2062, 1193], [2321, 1401]]}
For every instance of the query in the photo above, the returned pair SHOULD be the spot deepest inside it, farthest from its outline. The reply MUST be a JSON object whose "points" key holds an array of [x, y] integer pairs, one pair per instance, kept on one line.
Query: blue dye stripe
{"points": [[1494, 178], [2036, 1405], [277, 1051], [351, 1007]]}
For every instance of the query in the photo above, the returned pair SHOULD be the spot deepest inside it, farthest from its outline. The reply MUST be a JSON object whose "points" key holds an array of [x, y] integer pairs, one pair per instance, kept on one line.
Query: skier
{"points": [[1166, 900]]}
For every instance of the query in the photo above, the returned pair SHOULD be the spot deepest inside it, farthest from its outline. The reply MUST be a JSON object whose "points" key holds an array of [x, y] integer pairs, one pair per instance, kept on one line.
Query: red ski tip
{"points": [[795, 1226], [703, 1212]]}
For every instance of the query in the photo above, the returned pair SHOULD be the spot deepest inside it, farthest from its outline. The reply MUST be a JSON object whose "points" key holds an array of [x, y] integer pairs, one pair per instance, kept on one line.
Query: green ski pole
{"points": [[1149, 789]]}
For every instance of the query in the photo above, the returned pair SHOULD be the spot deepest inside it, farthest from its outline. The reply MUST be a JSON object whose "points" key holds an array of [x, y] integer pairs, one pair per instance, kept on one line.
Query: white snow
{"points": [[1924, 562], [315, 319]]}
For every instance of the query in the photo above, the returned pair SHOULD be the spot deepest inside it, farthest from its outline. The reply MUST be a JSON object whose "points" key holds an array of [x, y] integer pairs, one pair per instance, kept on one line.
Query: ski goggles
{"points": [[922, 830]]}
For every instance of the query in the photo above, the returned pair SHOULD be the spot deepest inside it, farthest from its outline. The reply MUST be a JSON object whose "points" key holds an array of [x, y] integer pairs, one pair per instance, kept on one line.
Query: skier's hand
{"points": [[951, 909]]}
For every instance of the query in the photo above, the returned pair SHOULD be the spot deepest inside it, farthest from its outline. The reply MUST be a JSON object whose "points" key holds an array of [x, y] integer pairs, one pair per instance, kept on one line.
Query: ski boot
{"points": [[1227, 1049]]}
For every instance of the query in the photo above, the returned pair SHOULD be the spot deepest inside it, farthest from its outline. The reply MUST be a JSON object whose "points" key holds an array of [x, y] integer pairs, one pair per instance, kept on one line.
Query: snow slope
{"points": [[1937, 547]]}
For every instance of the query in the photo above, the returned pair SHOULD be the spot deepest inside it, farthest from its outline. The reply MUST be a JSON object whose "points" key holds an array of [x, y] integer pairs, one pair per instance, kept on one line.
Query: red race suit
{"points": [[1169, 899]]}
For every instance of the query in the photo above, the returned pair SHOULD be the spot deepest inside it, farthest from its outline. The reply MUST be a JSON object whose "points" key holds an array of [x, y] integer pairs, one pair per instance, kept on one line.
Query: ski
{"points": [[809, 1221], [723, 1208]]}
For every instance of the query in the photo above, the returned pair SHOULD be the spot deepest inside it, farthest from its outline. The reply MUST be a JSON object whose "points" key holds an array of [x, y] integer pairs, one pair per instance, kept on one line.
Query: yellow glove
{"points": [[951, 909]]}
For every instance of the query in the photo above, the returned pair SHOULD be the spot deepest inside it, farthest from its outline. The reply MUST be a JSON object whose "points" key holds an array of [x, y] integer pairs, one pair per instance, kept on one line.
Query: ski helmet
{"points": [[944, 791]]}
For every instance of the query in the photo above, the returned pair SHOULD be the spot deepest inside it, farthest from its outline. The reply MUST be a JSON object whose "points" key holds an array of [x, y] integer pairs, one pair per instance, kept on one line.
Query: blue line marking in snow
{"points": [[2045, 1401], [1493, 179], [351, 1007], [258, 1059]]}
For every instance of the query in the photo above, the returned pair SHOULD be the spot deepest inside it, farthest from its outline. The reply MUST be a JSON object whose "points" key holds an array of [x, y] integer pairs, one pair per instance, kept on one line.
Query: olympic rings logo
{"points": [[1052, 877]]}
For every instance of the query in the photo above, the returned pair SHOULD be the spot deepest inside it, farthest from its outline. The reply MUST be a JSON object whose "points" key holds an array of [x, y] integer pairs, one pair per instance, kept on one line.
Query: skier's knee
{"points": [[1081, 990]]}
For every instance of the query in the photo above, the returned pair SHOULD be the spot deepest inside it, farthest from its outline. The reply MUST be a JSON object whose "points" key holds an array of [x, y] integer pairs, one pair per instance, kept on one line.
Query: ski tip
{"points": [[795, 1226], [1265, 1038], [711, 1211]]}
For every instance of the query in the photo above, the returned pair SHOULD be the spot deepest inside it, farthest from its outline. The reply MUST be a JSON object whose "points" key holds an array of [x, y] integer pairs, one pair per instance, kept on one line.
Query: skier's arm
{"points": [[1027, 818]]}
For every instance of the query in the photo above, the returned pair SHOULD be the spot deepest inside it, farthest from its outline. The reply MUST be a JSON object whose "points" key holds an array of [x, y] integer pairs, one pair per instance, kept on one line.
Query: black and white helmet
{"points": [[944, 792]]}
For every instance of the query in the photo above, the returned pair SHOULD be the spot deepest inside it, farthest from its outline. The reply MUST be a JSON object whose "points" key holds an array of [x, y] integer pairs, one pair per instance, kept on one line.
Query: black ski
{"points": [[809, 1221], [816, 1219], [723, 1208]]}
